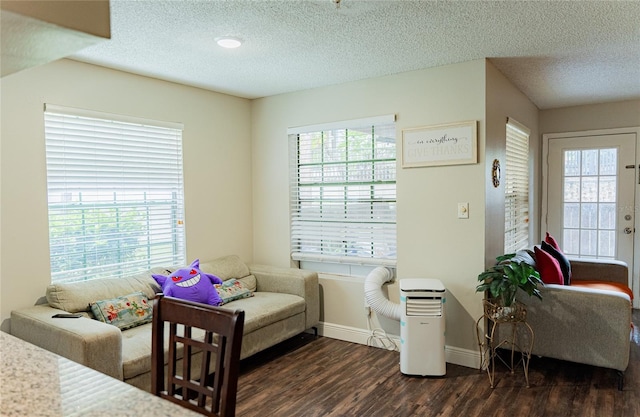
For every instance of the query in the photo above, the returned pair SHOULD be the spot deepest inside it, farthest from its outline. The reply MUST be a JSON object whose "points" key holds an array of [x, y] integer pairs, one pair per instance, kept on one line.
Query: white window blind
{"points": [[343, 192], [115, 194], [516, 188]]}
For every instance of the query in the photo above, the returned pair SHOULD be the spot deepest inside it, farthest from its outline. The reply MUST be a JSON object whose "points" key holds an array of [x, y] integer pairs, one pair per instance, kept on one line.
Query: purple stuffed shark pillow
{"points": [[191, 284]]}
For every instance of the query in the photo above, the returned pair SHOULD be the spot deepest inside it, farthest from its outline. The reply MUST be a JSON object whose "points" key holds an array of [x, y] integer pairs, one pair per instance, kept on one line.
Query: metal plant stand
{"points": [[514, 316]]}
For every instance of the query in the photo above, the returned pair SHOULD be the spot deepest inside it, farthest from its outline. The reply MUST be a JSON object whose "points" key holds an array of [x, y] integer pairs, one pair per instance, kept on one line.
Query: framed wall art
{"points": [[446, 144]]}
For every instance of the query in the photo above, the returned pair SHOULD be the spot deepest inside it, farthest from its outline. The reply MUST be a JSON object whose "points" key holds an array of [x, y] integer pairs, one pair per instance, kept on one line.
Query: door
{"points": [[590, 195]]}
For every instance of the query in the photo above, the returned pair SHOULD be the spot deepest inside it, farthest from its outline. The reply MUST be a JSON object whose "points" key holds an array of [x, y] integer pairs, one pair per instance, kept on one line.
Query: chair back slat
{"points": [[215, 334]]}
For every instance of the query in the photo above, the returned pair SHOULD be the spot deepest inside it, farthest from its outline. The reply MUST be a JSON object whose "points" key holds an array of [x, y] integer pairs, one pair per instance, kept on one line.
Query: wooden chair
{"points": [[211, 392]]}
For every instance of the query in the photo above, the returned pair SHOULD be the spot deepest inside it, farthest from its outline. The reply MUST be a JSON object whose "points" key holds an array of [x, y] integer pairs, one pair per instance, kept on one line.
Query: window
{"points": [[516, 188], [115, 194], [589, 202], [343, 193]]}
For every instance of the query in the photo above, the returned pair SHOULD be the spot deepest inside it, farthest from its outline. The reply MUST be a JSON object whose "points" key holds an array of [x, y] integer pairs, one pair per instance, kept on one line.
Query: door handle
{"points": [[633, 167], [628, 230]]}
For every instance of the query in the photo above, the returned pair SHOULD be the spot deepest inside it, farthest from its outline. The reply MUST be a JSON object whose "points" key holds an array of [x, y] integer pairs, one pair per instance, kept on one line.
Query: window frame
{"points": [[314, 256], [115, 189]]}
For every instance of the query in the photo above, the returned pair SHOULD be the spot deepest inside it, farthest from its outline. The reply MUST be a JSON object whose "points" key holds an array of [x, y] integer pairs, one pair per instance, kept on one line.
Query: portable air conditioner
{"points": [[422, 327]]}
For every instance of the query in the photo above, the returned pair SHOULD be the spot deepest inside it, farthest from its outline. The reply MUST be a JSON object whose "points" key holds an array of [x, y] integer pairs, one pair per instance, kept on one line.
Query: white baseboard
{"points": [[454, 355], [462, 357]]}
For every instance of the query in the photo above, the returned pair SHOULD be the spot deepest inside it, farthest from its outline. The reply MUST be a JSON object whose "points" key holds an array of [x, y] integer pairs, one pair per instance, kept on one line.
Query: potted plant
{"points": [[503, 280]]}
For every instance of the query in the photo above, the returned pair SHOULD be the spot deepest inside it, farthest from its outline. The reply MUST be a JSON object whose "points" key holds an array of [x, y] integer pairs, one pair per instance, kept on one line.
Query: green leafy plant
{"points": [[503, 280]]}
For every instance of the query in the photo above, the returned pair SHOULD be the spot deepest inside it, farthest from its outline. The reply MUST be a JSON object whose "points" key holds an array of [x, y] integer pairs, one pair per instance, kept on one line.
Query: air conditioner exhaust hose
{"points": [[375, 297]]}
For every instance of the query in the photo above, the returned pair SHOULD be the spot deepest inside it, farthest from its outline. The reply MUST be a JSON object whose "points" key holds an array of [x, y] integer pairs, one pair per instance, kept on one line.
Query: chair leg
{"points": [[620, 380]]}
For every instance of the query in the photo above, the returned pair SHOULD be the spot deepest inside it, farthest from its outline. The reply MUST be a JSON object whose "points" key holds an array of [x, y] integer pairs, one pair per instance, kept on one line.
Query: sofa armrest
{"points": [[599, 270], [89, 342], [581, 325], [291, 281]]}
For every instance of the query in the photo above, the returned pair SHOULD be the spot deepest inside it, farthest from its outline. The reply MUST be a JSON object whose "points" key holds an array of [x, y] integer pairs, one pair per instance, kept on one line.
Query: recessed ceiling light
{"points": [[229, 42]]}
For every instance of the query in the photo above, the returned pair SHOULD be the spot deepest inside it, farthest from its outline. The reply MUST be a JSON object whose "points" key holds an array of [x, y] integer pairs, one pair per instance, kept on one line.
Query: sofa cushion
{"points": [[265, 308], [229, 267], [548, 267], [124, 312], [565, 265], [136, 349], [76, 296], [226, 267], [604, 285], [249, 282]]}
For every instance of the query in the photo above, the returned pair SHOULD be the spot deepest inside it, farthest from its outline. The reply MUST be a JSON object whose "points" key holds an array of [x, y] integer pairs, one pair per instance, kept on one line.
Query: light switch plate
{"points": [[463, 210]]}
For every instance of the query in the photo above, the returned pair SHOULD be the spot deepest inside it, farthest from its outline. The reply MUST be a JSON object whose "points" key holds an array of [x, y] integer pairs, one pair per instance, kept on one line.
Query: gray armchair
{"points": [[583, 325]]}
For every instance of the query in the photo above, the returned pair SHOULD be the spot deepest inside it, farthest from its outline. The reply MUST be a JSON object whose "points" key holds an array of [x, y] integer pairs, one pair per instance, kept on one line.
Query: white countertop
{"points": [[36, 382]]}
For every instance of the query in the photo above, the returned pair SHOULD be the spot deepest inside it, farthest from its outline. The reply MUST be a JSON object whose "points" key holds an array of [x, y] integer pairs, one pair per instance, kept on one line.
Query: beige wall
{"points": [[432, 241], [503, 101], [591, 117], [217, 164]]}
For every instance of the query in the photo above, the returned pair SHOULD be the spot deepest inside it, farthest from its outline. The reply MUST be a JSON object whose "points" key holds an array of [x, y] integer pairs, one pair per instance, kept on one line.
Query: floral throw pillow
{"points": [[124, 312], [231, 290]]}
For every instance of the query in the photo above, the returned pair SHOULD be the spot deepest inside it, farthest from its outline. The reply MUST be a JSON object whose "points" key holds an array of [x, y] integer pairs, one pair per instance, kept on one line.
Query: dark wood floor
{"points": [[309, 376]]}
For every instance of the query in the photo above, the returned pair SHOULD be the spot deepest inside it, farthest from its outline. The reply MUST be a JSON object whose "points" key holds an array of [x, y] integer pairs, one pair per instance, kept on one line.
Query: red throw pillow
{"points": [[548, 267], [565, 265], [551, 241]]}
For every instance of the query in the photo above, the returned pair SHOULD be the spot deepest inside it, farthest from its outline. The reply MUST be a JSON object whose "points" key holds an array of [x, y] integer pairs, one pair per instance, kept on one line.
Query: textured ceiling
{"points": [[559, 53]]}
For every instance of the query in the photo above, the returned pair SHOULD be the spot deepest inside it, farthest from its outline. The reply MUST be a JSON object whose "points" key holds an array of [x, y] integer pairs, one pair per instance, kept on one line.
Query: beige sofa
{"points": [[285, 303], [583, 325]]}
